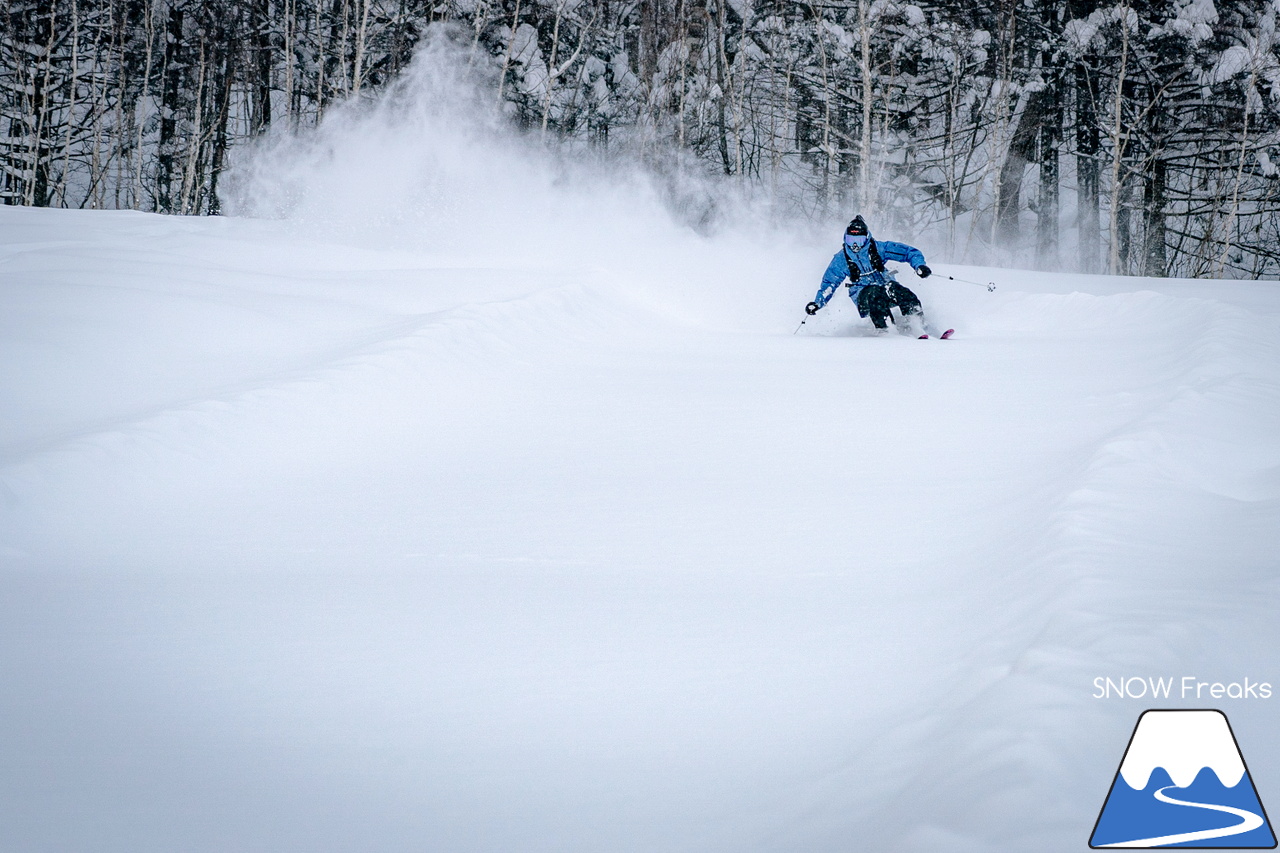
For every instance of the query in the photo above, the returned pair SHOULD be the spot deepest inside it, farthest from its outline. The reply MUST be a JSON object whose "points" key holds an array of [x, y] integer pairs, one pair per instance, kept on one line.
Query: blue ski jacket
{"points": [[844, 261]]}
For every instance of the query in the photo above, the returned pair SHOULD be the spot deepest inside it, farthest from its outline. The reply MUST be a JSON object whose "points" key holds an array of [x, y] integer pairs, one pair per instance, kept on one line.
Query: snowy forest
{"points": [[1136, 137]]}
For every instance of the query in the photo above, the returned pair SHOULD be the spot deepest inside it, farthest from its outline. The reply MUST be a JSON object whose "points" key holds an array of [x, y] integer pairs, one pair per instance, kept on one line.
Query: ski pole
{"points": [[815, 310], [990, 286]]}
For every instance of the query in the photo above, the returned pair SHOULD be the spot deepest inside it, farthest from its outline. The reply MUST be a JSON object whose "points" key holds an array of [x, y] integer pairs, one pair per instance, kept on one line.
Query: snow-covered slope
{"points": [[310, 547], [477, 505]]}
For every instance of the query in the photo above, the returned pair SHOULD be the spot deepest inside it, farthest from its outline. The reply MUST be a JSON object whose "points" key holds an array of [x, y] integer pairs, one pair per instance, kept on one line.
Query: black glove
{"points": [[811, 308], [923, 271]]}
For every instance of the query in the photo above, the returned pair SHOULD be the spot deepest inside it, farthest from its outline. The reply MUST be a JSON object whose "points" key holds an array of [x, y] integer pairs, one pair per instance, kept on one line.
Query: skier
{"points": [[872, 290]]}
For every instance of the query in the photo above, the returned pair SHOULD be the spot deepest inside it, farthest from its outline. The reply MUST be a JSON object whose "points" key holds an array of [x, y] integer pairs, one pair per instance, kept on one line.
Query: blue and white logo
{"points": [[1183, 783]]}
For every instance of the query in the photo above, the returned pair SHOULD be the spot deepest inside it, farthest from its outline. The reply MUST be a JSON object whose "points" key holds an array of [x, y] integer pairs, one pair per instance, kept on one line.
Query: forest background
{"points": [[1132, 138]]}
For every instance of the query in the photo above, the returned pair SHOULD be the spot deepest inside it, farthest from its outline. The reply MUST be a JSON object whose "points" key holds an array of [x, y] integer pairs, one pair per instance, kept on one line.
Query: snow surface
{"points": [[317, 538]]}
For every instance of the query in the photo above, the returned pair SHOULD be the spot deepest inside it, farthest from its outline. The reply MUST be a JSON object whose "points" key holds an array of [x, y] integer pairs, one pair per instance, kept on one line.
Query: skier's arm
{"points": [[837, 271], [901, 252]]}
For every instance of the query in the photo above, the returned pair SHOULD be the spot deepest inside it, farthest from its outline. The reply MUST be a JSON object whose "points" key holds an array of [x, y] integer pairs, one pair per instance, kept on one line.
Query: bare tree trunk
{"points": [[646, 42], [684, 69], [124, 115], [1118, 140], [225, 81], [195, 141], [721, 81], [951, 158], [555, 72], [1021, 149], [802, 127], [477, 26], [98, 85], [1047, 223], [866, 194], [506, 56], [1088, 146], [1227, 237], [1155, 234], [1004, 119], [343, 46], [261, 116], [40, 153], [1123, 218], [135, 190], [358, 77], [321, 62], [290, 42], [551, 64], [74, 89], [169, 100]]}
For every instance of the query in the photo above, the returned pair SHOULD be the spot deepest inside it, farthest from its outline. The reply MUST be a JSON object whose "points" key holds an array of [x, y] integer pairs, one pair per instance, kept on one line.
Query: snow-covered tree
{"points": [[1136, 136]]}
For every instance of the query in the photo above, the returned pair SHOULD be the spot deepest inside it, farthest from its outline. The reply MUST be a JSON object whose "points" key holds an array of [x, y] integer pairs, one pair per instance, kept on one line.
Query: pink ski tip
{"points": [[923, 338], [947, 334]]}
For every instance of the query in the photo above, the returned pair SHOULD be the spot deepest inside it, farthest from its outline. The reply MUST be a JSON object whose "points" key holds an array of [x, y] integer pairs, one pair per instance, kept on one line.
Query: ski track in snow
{"points": [[363, 352], [316, 548]]}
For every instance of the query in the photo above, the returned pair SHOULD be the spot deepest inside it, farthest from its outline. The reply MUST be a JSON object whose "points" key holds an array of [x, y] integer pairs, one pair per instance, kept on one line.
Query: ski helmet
{"points": [[858, 227]]}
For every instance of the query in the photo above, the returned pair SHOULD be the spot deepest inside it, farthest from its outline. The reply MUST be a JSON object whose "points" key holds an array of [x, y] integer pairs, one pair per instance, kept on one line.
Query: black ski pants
{"points": [[875, 300]]}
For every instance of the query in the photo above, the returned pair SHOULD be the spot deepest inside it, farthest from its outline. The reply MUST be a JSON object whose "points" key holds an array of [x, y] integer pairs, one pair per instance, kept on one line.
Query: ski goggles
{"points": [[857, 241]]}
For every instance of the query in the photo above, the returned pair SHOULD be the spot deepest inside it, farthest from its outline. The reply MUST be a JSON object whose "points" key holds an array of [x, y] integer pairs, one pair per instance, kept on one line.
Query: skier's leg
{"points": [[904, 299], [908, 303], [873, 302]]}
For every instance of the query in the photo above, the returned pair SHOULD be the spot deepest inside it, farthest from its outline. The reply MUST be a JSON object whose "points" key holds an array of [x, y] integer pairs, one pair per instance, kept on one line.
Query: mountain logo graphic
{"points": [[1183, 783]]}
